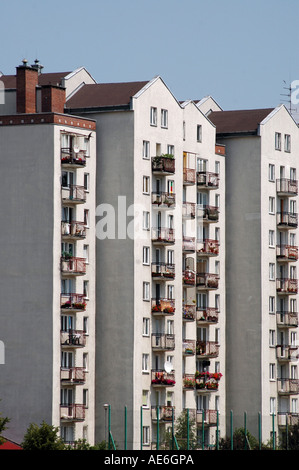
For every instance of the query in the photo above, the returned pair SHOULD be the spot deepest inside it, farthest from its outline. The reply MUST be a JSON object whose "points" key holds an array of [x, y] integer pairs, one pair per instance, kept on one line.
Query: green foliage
{"points": [[240, 442], [3, 423], [43, 437]]}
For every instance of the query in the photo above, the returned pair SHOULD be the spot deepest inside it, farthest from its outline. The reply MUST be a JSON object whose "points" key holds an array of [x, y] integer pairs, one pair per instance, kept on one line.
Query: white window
{"points": [[287, 143], [86, 217], [184, 130], [146, 220], [217, 301], [293, 239], [164, 118], [271, 271], [271, 205], [86, 181], [271, 337], [292, 206], [293, 174], [293, 305], [170, 327], [294, 372], [277, 141], [199, 133], [217, 234], [271, 238], [170, 149], [145, 327], [145, 435], [272, 371], [153, 116], [67, 179], [170, 257], [145, 398], [294, 406], [217, 200], [145, 362], [271, 304], [146, 255], [217, 267], [293, 272], [293, 338], [146, 290], [86, 252], [170, 291], [217, 168], [146, 150], [271, 175], [146, 185], [272, 406], [86, 289]]}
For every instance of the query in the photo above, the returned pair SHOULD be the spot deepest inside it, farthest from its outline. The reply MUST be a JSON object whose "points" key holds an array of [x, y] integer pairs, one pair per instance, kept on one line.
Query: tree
{"points": [[184, 432], [3, 423], [293, 438], [240, 442], [43, 437]]}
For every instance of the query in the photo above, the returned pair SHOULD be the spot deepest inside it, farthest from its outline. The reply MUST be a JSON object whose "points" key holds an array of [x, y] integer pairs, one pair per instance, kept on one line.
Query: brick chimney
{"points": [[53, 99], [27, 80]]}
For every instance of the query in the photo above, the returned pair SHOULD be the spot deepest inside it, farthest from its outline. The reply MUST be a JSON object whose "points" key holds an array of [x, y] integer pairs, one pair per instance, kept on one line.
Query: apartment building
{"points": [[161, 267], [261, 267], [47, 320]]}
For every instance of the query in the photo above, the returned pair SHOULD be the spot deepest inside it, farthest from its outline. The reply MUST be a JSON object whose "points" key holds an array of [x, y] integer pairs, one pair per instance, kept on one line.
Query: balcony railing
{"points": [[163, 164], [161, 200], [189, 347], [73, 230], [162, 378], [163, 306], [287, 252], [73, 194], [285, 352], [163, 235], [287, 319], [73, 265], [208, 180], [189, 176], [73, 412], [189, 278], [207, 213], [189, 312], [163, 341], [73, 375], [71, 158], [165, 413], [288, 386], [189, 210], [189, 381], [207, 349], [286, 286], [287, 220], [287, 187], [208, 247], [73, 338], [206, 417], [163, 271], [207, 315], [188, 244], [290, 419], [207, 380], [207, 281], [72, 301]]}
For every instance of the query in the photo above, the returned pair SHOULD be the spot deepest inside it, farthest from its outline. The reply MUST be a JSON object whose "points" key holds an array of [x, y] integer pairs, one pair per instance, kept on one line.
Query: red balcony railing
{"points": [[189, 381], [163, 199], [207, 348], [287, 252], [286, 186], [208, 247], [73, 338], [287, 319], [73, 229], [163, 164], [165, 413], [189, 312], [162, 378], [287, 286], [73, 301], [163, 306], [207, 180], [73, 375], [70, 157], [163, 271], [207, 380], [189, 176], [73, 265], [73, 193], [207, 280], [207, 315], [163, 235], [189, 278], [73, 412], [206, 417]]}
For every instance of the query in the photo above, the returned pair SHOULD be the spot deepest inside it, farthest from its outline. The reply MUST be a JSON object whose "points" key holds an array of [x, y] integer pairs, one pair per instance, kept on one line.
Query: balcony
{"points": [[73, 338], [207, 381], [207, 315], [285, 352], [290, 419], [207, 281], [287, 220], [189, 278], [161, 378], [72, 302], [73, 194], [207, 349], [189, 347], [188, 210], [72, 412], [163, 342], [288, 386], [207, 247], [287, 319], [207, 180], [163, 200], [286, 187], [163, 307], [165, 413], [189, 176], [72, 375], [72, 159], [70, 265], [73, 230], [189, 312], [286, 253], [286, 286], [206, 417], [163, 236], [163, 271], [163, 165], [188, 244], [207, 214]]}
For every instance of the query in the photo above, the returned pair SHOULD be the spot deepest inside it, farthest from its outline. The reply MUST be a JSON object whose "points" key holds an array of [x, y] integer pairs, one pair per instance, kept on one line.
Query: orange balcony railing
{"points": [[163, 306], [189, 312], [189, 176], [163, 235], [73, 265], [287, 252], [73, 375], [159, 377], [189, 277], [207, 247]]}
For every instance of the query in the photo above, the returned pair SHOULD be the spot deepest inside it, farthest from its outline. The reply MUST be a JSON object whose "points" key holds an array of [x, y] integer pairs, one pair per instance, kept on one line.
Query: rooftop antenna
{"points": [[289, 96]]}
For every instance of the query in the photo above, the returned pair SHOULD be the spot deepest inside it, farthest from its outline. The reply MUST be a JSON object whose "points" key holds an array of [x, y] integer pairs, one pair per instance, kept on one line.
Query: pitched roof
{"points": [[99, 95], [54, 78], [239, 121]]}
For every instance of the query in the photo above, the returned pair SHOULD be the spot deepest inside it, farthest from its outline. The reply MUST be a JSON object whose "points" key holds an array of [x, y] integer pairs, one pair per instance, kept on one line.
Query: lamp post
{"points": [[106, 406]]}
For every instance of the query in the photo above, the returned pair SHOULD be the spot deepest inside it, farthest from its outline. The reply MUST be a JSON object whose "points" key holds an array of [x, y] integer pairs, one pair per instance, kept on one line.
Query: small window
{"points": [[145, 398], [271, 304], [271, 271], [271, 175], [287, 143], [272, 371], [199, 133], [145, 327], [170, 149], [271, 337], [145, 362], [164, 118], [146, 291], [153, 116], [271, 205], [277, 141], [146, 150], [86, 181], [146, 255], [146, 185], [217, 168], [271, 238], [146, 220]]}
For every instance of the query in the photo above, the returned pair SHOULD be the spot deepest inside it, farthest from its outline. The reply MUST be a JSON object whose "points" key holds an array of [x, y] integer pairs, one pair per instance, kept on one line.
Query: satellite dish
{"points": [[76, 148], [168, 366]]}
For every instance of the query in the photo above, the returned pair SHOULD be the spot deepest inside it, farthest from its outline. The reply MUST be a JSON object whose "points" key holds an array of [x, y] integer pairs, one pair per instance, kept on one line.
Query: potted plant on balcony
{"points": [[156, 308], [168, 310]]}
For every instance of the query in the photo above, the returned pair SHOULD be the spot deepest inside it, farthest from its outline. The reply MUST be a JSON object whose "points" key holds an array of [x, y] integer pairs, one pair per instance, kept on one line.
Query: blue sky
{"points": [[238, 51]]}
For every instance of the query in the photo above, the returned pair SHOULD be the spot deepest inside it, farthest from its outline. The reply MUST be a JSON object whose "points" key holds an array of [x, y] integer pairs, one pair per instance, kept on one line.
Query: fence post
{"points": [[141, 427], [203, 430], [260, 430], [188, 428], [245, 429], [158, 427], [273, 431], [217, 431], [231, 431], [125, 428]]}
